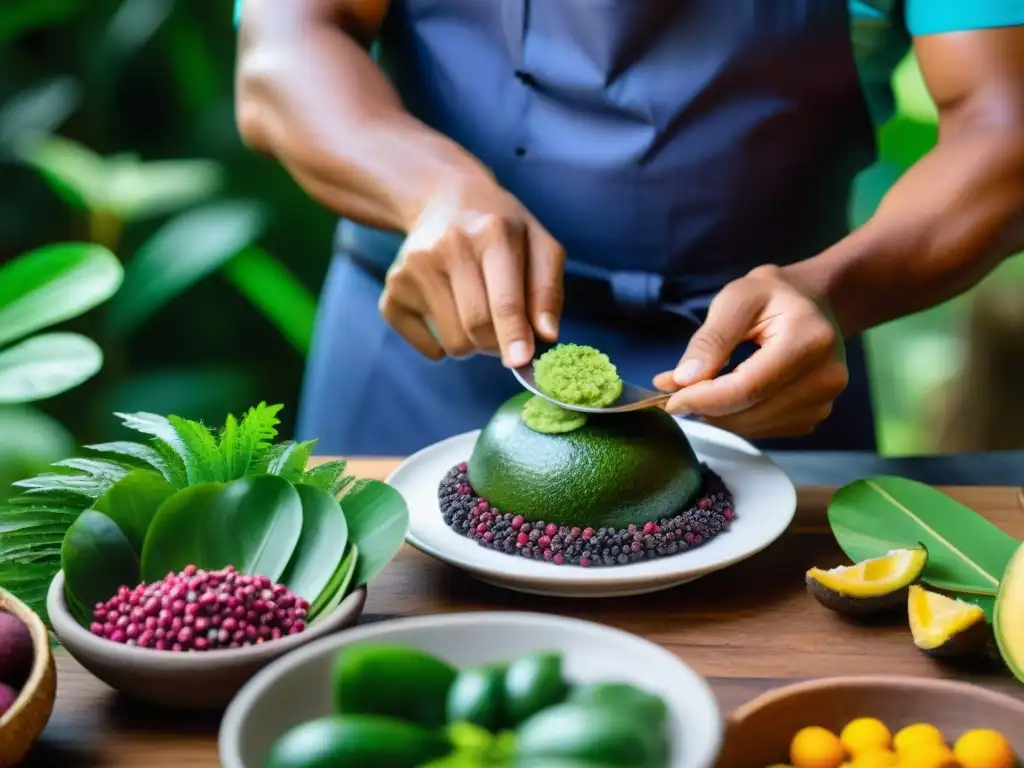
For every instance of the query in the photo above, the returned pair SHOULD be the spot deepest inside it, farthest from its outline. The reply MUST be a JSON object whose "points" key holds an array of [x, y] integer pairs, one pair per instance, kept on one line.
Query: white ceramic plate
{"points": [[296, 688], [764, 503]]}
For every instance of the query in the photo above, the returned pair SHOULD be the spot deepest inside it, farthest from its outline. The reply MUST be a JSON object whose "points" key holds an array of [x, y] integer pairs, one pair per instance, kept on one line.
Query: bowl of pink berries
{"points": [[28, 678], [178, 596]]}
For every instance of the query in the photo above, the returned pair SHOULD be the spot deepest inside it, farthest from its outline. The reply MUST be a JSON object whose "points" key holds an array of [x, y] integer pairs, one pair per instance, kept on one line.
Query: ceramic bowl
{"points": [[188, 680], [297, 688], [759, 732], [21, 725]]}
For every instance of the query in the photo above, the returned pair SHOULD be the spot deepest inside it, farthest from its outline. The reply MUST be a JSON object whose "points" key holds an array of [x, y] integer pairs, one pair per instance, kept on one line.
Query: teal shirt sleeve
{"points": [[930, 17]]}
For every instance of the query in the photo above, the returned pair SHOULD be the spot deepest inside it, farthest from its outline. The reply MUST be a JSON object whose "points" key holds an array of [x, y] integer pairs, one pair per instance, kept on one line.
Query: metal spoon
{"points": [[633, 398]]}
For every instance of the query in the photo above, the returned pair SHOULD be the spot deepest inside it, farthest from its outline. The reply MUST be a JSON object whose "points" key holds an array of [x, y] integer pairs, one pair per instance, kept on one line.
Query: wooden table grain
{"points": [[747, 629]]}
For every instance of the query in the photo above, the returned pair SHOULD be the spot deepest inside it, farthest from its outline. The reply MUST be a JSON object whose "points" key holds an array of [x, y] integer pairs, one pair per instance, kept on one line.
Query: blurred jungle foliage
{"points": [[117, 127]]}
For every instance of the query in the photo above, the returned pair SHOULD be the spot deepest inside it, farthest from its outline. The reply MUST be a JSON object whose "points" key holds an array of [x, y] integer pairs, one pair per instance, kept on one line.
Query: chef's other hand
{"points": [[787, 386], [480, 269]]}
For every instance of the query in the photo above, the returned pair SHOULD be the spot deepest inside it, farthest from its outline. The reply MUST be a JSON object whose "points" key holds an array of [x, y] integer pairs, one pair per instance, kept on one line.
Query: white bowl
{"points": [[764, 500], [186, 680], [296, 688]]}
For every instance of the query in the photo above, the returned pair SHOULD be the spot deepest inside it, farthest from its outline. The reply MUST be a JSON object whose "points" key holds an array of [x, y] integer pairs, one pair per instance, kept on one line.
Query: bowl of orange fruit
{"points": [[877, 722]]}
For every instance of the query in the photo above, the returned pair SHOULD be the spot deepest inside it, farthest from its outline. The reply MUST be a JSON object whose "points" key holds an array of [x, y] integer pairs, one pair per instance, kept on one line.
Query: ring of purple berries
{"points": [[198, 610], [472, 516]]}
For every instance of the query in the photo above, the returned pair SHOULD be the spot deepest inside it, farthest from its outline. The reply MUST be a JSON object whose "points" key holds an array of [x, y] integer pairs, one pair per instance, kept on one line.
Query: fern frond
{"points": [[203, 460]]}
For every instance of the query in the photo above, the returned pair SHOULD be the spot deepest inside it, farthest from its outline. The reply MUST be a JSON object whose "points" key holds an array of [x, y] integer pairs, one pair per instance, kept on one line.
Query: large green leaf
{"points": [[46, 365], [97, 559], [132, 503], [182, 252], [321, 545], [966, 553], [52, 284], [253, 524], [29, 441], [378, 520], [176, 533]]}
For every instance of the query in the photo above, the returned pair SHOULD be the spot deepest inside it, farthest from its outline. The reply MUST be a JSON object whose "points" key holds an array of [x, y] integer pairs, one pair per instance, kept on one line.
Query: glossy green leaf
{"points": [[29, 583], [289, 459], [46, 365], [183, 251], [29, 441], [38, 110], [74, 171], [378, 520], [966, 553], [338, 588], [253, 524], [331, 477], [138, 454], [52, 284], [176, 533], [132, 503], [321, 545], [97, 559]]}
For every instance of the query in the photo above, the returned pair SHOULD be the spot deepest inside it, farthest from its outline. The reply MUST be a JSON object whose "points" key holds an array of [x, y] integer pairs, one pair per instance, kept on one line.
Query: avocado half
{"points": [[877, 585], [1008, 616], [616, 470], [944, 627]]}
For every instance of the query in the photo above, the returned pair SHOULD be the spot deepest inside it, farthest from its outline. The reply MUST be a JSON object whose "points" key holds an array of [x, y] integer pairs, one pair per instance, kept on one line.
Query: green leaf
{"points": [[132, 503], [967, 554], [51, 484], [378, 520], [139, 453], [33, 532], [182, 252], [74, 171], [321, 545], [37, 111], [47, 365], [173, 449], [29, 582], [97, 559], [338, 588], [176, 533], [289, 459], [203, 460], [260, 422], [30, 441], [253, 524], [101, 469], [235, 464], [332, 478]]}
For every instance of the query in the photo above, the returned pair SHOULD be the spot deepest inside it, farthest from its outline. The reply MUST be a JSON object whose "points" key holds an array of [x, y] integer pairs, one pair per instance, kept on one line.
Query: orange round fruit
{"points": [[816, 747], [912, 737], [984, 748], [865, 734]]}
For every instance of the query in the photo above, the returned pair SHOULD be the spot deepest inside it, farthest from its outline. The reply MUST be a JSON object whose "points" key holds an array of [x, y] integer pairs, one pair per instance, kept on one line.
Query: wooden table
{"points": [[747, 629]]}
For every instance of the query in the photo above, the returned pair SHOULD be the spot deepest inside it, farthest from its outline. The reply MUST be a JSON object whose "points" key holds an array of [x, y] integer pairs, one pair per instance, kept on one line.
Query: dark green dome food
{"points": [[614, 471]]}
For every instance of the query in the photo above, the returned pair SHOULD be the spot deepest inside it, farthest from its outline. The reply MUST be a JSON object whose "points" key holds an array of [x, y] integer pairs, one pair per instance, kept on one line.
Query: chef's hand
{"points": [[481, 269], [783, 389]]}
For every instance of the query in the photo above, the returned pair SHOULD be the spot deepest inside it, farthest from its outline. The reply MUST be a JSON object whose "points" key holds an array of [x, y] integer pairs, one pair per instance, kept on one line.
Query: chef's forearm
{"points": [[942, 227], [309, 94]]}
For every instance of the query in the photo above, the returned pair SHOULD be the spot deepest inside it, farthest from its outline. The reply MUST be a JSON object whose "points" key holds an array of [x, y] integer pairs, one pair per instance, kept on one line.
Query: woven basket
{"points": [[21, 725]]}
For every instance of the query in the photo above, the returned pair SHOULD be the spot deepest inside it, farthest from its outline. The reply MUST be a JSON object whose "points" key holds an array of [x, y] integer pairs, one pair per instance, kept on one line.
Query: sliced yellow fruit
{"points": [[936, 620], [874, 577]]}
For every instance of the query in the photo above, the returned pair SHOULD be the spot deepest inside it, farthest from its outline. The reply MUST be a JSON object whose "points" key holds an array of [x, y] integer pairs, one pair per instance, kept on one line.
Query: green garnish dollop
{"points": [[578, 375], [545, 417]]}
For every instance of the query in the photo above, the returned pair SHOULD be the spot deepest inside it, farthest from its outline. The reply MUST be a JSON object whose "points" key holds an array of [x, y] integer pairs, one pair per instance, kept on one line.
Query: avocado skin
{"points": [[972, 641], [849, 605], [616, 470]]}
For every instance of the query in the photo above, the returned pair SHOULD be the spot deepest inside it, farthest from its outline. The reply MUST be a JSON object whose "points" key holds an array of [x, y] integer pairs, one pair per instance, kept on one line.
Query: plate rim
{"points": [[599, 577]]}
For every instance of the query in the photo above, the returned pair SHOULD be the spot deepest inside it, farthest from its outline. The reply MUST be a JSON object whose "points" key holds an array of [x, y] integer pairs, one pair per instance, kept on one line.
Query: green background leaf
{"points": [[966, 553], [52, 284], [255, 526], [97, 559], [321, 545], [46, 365], [132, 502], [175, 536], [182, 252], [378, 520]]}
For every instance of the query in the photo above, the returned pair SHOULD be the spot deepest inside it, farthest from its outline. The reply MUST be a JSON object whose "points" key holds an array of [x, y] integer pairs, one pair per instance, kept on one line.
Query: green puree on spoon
{"points": [[574, 374]]}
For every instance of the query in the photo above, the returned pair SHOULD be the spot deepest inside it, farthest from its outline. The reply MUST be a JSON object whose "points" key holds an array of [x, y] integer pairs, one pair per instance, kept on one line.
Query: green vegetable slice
{"points": [[478, 696], [533, 683]]}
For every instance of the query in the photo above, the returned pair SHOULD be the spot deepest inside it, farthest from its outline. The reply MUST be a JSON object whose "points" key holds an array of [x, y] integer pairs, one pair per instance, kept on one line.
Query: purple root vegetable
{"points": [[7, 698], [16, 652]]}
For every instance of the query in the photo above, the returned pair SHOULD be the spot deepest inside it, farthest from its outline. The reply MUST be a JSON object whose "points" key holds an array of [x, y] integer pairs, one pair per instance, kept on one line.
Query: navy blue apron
{"points": [[669, 145]]}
